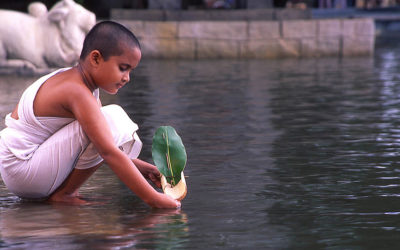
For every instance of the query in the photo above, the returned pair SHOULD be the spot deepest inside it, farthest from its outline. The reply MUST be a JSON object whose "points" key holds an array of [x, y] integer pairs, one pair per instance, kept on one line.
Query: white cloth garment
{"points": [[38, 153]]}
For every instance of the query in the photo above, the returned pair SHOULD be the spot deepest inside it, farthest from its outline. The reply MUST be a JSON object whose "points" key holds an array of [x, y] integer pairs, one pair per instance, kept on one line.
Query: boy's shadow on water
{"points": [[37, 224]]}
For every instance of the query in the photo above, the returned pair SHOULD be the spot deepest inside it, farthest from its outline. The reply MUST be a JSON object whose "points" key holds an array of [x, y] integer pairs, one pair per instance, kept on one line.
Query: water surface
{"points": [[282, 154]]}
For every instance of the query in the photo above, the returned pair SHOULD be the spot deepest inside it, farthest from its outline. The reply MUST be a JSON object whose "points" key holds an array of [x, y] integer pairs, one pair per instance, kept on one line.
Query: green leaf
{"points": [[169, 153]]}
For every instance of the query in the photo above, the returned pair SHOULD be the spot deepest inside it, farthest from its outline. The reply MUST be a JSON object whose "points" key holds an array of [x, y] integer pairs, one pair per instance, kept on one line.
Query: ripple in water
{"points": [[281, 154]]}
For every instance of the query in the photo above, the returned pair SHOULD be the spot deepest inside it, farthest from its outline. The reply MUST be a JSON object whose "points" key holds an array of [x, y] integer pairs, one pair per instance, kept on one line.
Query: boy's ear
{"points": [[95, 57]]}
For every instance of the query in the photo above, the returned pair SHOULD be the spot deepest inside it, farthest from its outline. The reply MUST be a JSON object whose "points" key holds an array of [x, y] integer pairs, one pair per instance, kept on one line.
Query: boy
{"points": [[58, 134]]}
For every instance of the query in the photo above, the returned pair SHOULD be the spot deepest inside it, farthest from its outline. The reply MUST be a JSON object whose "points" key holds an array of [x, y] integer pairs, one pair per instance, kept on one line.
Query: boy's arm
{"points": [[86, 110]]}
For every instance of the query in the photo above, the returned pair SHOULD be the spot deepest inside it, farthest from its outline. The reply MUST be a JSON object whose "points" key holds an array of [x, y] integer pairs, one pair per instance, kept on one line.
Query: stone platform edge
{"points": [[211, 15], [254, 39]]}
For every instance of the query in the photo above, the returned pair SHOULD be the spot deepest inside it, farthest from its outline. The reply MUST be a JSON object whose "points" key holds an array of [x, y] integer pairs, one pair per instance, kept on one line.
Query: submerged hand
{"points": [[164, 201]]}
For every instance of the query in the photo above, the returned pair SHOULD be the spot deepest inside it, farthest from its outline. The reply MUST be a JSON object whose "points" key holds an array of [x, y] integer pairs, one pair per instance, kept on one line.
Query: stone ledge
{"points": [[209, 15], [357, 45], [233, 30], [254, 39], [217, 49], [329, 27], [270, 49], [264, 30], [299, 29], [168, 48]]}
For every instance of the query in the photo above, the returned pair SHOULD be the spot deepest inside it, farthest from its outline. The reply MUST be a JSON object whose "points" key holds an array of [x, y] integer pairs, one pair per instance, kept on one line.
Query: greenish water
{"points": [[283, 154]]}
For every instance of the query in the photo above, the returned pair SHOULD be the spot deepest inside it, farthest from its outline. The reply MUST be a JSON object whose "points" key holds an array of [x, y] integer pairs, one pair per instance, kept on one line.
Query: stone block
{"points": [[299, 29], [309, 47], [261, 14], [213, 30], [365, 27], [329, 28], [290, 47], [143, 15], [358, 45], [329, 46], [161, 29], [137, 27], [269, 49], [259, 49], [348, 27], [358, 27], [264, 30], [216, 49], [119, 14], [228, 15], [208, 15], [218, 15], [173, 15], [187, 15], [254, 39], [186, 49], [168, 48]]}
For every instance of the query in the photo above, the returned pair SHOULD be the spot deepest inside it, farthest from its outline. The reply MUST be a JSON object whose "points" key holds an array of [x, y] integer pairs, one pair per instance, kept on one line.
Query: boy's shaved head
{"points": [[110, 39]]}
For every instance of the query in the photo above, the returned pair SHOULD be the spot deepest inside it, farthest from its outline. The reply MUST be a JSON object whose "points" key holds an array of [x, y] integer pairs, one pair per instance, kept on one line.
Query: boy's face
{"points": [[113, 74]]}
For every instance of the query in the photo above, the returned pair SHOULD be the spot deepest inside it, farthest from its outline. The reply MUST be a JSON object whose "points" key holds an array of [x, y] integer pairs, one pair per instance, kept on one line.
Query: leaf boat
{"points": [[169, 155]]}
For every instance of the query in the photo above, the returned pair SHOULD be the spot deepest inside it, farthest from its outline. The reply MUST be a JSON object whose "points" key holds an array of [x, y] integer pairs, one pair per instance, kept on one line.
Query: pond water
{"points": [[282, 154]]}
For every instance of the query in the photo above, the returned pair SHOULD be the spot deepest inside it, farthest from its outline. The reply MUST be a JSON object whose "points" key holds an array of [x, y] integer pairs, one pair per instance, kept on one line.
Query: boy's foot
{"points": [[68, 199]]}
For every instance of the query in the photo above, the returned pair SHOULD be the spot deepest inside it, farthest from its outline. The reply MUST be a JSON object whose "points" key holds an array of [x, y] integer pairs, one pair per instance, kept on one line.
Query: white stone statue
{"points": [[44, 39]]}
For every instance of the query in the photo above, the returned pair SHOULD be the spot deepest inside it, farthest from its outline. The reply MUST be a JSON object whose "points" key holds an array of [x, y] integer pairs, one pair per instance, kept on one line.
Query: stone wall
{"points": [[254, 39]]}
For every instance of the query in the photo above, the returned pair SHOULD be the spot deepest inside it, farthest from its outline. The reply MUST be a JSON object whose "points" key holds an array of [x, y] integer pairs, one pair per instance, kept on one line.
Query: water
{"points": [[282, 154]]}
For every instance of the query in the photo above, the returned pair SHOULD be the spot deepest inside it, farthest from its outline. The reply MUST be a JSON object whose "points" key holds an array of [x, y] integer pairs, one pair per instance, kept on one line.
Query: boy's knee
{"points": [[115, 114], [113, 109], [120, 123]]}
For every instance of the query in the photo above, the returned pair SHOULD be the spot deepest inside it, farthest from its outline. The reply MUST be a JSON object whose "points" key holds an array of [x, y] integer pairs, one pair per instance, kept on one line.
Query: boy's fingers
{"points": [[155, 180]]}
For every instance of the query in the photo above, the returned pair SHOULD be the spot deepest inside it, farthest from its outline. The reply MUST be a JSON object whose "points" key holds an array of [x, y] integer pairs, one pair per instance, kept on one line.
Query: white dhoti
{"points": [[38, 153], [68, 148]]}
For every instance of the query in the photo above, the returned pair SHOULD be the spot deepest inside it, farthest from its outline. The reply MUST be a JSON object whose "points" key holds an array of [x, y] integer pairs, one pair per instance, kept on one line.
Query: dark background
{"points": [[102, 7]]}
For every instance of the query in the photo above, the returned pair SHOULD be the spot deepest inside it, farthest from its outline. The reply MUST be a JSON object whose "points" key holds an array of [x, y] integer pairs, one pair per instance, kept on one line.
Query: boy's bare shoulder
{"points": [[77, 92], [70, 84], [60, 94], [76, 89]]}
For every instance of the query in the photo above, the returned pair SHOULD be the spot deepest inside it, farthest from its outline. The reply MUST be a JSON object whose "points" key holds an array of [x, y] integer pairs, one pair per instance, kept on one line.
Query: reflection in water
{"points": [[336, 158], [33, 225], [222, 115], [282, 154], [111, 222]]}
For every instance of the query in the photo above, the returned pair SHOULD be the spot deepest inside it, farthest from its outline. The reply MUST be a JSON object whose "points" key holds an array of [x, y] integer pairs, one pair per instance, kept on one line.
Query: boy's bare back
{"points": [[56, 94]]}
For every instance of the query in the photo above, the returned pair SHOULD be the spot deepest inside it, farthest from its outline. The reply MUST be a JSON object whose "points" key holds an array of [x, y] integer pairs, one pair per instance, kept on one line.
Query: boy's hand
{"points": [[149, 171], [154, 177], [164, 201]]}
